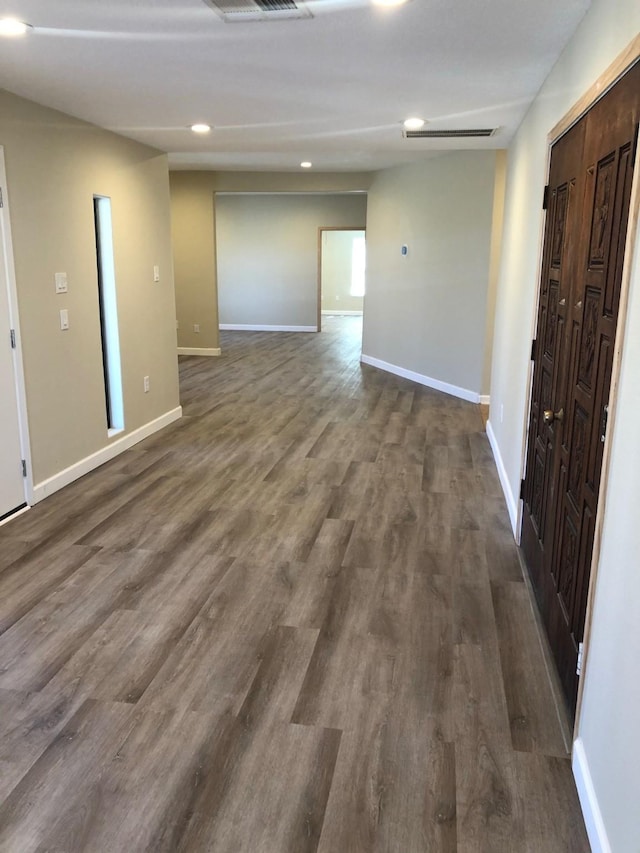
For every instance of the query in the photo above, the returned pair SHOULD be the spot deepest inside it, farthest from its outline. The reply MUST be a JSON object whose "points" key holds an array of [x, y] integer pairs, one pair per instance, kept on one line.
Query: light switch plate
{"points": [[61, 282], [64, 320], [156, 273]]}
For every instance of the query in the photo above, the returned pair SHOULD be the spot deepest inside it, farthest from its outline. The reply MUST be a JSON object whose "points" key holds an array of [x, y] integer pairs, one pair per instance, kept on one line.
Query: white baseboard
{"points": [[340, 313], [199, 351], [114, 448], [484, 399], [241, 327], [512, 503], [594, 823], [15, 514], [454, 390]]}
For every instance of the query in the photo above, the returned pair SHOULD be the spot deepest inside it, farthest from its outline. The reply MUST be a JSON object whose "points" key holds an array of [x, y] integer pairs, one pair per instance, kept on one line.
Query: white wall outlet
{"points": [[196, 327], [147, 384], [61, 282], [156, 273], [64, 320]]}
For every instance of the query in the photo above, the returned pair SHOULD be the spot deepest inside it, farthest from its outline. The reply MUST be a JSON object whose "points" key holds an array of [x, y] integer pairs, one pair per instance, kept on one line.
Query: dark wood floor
{"points": [[293, 621]]}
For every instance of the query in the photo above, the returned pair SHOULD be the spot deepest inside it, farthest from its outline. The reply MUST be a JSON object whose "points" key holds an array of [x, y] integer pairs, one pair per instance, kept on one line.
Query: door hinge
{"points": [[12, 335], [545, 198], [605, 418], [522, 482], [579, 663], [24, 467], [533, 349]]}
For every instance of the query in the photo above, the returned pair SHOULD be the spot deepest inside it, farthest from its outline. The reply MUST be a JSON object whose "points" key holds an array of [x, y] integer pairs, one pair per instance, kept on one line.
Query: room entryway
{"points": [[341, 272], [12, 473], [589, 192]]}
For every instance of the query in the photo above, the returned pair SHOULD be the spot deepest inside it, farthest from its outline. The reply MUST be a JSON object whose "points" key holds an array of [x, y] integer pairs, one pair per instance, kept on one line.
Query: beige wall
{"points": [[192, 200], [337, 253], [193, 235], [608, 752], [497, 227], [55, 165], [267, 249], [426, 312]]}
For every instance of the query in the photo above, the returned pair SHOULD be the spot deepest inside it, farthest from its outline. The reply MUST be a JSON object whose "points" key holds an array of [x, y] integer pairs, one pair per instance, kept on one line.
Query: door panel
{"points": [[11, 480], [550, 373], [590, 186]]}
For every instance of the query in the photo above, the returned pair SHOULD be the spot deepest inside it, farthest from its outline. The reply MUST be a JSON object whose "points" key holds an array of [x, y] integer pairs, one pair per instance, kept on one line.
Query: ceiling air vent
{"points": [[465, 133], [238, 11]]}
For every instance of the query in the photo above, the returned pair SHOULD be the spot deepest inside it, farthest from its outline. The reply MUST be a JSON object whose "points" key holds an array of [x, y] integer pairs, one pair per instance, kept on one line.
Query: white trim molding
{"points": [[241, 327], [15, 514], [339, 313], [593, 820], [199, 351], [114, 448], [484, 400], [513, 505], [437, 384]]}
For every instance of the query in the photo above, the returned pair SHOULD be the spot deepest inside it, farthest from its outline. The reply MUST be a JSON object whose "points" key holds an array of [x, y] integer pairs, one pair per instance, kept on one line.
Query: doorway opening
{"points": [[341, 272], [111, 366], [15, 470]]}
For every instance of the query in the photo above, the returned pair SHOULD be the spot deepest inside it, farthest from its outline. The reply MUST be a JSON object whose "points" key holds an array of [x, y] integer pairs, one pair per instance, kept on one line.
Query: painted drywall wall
{"points": [[608, 730], [193, 222], [194, 257], [335, 279], [608, 727], [425, 312], [497, 226], [54, 166], [267, 251]]}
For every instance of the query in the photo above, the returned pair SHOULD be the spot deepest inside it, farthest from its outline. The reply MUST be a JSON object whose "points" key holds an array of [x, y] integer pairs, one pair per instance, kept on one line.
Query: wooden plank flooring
{"points": [[292, 621]]}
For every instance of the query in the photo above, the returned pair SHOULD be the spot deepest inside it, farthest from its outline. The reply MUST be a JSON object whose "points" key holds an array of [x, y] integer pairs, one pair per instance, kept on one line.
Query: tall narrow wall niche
{"points": [[112, 370]]}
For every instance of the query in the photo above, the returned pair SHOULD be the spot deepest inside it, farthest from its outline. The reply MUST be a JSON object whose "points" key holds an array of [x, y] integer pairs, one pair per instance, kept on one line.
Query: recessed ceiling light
{"points": [[389, 2], [306, 164], [13, 27], [414, 123], [200, 128]]}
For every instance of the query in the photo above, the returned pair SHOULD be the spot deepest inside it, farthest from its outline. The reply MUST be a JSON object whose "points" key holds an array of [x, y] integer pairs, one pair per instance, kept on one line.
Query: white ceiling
{"points": [[332, 89]]}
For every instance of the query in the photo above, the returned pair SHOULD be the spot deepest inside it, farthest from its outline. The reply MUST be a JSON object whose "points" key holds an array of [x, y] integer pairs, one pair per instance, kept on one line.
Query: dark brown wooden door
{"points": [[589, 193]]}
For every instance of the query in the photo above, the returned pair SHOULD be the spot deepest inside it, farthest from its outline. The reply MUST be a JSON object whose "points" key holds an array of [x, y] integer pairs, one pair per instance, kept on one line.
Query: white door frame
{"points": [[18, 366], [321, 231]]}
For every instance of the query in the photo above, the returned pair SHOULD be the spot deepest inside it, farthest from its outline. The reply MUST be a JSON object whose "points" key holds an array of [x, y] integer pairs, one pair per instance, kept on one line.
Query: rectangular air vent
{"points": [[465, 133], [238, 11]]}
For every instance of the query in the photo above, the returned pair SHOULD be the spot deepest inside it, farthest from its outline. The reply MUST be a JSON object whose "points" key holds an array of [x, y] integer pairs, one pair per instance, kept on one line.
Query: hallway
{"points": [[294, 620]]}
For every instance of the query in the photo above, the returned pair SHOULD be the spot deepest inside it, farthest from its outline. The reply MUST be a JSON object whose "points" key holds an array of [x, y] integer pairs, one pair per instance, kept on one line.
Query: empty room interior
{"points": [[320, 405]]}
